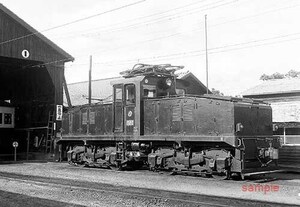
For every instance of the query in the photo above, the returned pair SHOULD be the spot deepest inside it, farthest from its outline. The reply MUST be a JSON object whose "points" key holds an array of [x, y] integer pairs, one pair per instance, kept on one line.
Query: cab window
{"points": [[130, 94]]}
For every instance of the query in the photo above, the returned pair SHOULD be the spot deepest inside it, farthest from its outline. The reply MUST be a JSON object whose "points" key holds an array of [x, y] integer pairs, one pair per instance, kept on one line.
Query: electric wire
{"points": [[210, 26], [155, 14], [169, 17], [256, 15], [72, 22], [171, 55], [211, 50]]}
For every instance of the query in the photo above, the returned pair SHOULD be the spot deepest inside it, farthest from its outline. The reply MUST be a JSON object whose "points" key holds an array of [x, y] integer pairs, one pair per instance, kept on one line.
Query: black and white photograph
{"points": [[149, 103]]}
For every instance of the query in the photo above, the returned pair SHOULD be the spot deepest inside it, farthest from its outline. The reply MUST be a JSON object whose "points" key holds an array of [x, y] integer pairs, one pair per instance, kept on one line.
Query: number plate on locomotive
{"points": [[129, 123]]}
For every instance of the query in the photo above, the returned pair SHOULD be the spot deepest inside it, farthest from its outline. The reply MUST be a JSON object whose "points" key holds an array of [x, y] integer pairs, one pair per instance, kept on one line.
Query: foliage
{"points": [[216, 92], [290, 74]]}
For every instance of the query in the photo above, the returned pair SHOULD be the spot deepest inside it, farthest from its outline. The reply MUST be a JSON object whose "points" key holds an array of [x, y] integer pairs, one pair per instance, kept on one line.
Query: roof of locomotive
{"points": [[234, 99], [215, 97], [102, 88], [136, 79]]}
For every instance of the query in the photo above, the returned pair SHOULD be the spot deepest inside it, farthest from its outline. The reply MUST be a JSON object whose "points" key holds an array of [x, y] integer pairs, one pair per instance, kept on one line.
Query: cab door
{"points": [[129, 108], [118, 108]]}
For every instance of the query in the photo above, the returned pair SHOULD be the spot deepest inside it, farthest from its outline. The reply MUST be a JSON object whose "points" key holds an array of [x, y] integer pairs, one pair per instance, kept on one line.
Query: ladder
{"points": [[50, 132]]}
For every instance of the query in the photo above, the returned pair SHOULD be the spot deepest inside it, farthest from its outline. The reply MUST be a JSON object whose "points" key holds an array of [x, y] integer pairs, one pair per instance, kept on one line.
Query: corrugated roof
{"points": [[279, 86], [101, 89]]}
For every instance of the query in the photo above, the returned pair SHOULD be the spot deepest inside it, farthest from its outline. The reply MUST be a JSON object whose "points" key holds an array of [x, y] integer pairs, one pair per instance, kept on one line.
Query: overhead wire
{"points": [[215, 48], [191, 52], [168, 17], [210, 26], [81, 19], [202, 52], [72, 22], [38, 65], [156, 14], [256, 15]]}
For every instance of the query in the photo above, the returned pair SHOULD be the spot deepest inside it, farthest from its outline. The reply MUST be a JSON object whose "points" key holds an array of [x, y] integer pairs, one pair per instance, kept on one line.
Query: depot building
{"points": [[31, 87]]}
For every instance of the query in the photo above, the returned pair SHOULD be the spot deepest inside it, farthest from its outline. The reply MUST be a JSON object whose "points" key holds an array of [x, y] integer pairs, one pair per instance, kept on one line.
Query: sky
{"points": [[245, 38]]}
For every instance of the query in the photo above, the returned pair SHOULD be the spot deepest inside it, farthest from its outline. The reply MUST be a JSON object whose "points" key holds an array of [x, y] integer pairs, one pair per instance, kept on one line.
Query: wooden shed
{"points": [[31, 76]]}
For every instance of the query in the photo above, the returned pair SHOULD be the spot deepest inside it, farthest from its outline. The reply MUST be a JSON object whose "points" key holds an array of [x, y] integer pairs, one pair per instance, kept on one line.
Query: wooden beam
{"points": [[67, 91]]}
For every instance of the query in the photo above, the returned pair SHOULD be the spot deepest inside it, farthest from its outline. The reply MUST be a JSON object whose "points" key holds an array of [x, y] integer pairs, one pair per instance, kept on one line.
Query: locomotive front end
{"points": [[256, 145]]}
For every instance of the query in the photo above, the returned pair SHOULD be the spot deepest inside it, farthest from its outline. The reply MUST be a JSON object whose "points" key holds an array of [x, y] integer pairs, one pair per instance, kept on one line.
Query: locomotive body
{"points": [[152, 121]]}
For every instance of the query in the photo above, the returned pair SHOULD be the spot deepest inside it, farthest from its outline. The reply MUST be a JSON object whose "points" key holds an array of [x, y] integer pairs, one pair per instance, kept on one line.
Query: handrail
{"points": [[290, 139]]}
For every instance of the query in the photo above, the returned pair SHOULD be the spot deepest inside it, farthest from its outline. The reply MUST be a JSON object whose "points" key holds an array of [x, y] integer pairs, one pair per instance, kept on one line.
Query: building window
{"points": [[7, 118]]}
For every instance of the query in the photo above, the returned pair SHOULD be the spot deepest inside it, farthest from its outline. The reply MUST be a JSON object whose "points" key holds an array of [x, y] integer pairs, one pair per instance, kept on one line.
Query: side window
{"points": [[118, 108], [130, 94], [0, 118]]}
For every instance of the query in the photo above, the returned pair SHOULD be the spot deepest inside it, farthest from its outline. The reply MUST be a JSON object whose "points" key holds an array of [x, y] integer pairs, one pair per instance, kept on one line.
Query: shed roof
{"points": [[279, 86], [31, 32], [101, 89]]}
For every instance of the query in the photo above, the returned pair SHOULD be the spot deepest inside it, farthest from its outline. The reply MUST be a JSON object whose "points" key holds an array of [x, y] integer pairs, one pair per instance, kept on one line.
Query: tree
{"points": [[293, 74], [264, 77], [277, 76], [290, 74], [216, 92]]}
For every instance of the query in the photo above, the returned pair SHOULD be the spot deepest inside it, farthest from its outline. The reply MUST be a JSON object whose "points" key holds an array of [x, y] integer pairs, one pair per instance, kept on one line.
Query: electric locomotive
{"points": [[155, 120]]}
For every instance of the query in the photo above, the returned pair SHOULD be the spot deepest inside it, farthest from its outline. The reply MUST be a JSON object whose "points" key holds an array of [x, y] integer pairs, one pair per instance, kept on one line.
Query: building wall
{"points": [[286, 111]]}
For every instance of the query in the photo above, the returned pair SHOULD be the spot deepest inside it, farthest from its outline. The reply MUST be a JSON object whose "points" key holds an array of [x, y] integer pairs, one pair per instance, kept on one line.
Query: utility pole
{"points": [[90, 97], [206, 54]]}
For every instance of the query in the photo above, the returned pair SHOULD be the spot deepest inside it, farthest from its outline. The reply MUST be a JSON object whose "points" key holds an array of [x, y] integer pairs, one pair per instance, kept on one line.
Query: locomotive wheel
{"points": [[112, 167], [221, 176]]}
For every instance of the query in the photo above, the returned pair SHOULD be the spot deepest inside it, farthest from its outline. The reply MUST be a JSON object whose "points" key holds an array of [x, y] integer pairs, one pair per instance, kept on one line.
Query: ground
{"points": [[60, 184]]}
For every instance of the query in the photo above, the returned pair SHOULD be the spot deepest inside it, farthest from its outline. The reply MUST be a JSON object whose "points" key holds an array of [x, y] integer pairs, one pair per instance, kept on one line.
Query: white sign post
{"points": [[59, 112], [15, 145]]}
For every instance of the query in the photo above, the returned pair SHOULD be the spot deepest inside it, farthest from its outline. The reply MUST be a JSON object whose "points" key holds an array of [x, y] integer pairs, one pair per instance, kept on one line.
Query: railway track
{"points": [[148, 196]]}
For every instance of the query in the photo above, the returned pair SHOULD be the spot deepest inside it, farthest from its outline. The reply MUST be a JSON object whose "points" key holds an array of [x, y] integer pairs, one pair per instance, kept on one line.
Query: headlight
{"points": [[169, 82], [275, 127], [239, 127]]}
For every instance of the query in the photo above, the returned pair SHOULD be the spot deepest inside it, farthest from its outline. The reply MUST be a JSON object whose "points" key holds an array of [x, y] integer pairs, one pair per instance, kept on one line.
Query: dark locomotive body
{"points": [[153, 122]]}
